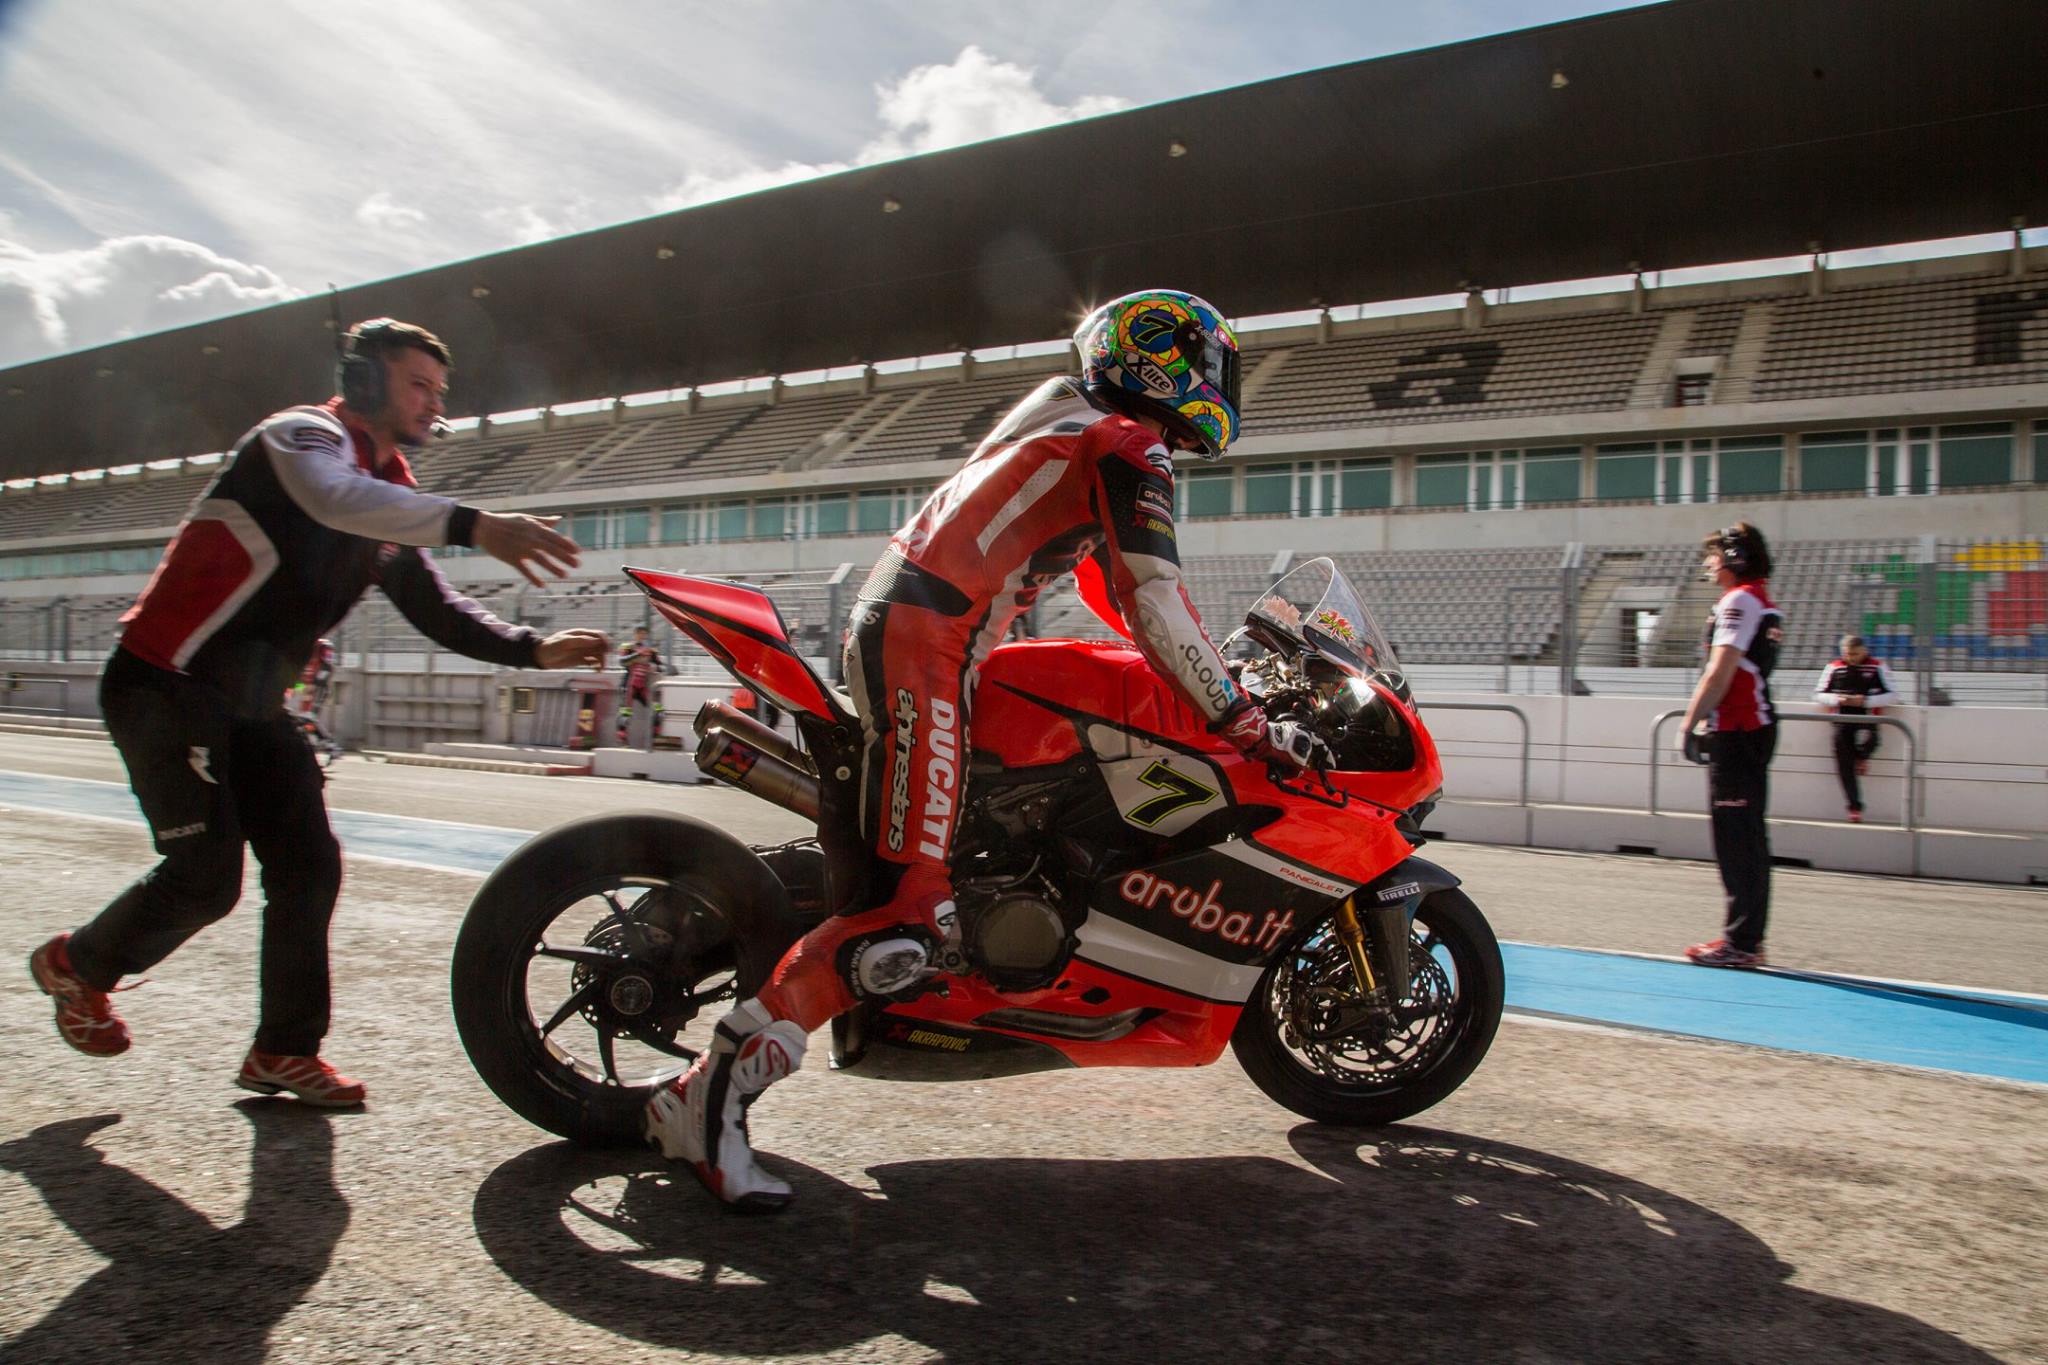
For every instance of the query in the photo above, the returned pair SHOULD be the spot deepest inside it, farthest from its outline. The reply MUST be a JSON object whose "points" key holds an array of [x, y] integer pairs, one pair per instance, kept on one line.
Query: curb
{"points": [[479, 765]]}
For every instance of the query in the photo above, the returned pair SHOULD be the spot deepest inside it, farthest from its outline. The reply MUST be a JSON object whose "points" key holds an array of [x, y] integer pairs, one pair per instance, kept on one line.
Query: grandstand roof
{"points": [[1686, 133]]}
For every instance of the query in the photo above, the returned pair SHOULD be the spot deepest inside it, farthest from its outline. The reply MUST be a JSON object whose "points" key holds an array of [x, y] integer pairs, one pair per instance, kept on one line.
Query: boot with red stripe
{"points": [[701, 1116], [309, 1078], [85, 1016]]}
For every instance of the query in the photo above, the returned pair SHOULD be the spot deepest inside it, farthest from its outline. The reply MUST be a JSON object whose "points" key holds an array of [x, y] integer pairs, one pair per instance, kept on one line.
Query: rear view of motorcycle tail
{"points": [[1130, 890]]}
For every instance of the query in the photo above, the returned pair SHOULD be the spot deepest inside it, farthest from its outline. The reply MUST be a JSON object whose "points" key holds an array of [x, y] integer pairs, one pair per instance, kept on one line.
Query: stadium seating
{"points": [[1928, 334], [144, 504], [942, 422], [1564, 364]]}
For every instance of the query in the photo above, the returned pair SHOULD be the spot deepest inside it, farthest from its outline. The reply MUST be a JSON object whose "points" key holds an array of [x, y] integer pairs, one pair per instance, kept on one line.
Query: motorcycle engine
{"points": [[1018, 940]]}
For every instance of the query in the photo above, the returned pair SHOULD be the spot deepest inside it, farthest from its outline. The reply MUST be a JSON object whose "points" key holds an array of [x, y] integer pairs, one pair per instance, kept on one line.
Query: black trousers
{"points": [[1854, 744], [208, 782], [1738, 786]]}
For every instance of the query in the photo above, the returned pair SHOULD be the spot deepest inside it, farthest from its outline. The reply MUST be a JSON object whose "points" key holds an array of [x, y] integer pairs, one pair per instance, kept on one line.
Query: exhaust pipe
{"points": [[735, 756], [716, 715]]}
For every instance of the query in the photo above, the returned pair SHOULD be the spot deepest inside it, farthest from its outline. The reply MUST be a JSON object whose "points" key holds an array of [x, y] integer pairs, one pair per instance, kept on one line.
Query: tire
{"points": [[734, 904], [1291, 1076]]}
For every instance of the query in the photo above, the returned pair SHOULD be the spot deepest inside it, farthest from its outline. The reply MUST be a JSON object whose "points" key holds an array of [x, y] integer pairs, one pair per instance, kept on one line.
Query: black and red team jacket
{"points": [[1870, 680], [284, 542]]}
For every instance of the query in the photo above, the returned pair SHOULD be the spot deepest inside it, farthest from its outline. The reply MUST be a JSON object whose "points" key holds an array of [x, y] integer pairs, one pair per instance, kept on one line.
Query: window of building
{"points": [[1363, 485], [1834, 462], [1205, 493], [769, 519], [830, 513], [1269, 490], [1550, 474], [1751, 465], [1443, 480], [875, 513], [633, 526], [1625, 473], [678, 524], [729, 520], [1919, 460], [1976, 456]]}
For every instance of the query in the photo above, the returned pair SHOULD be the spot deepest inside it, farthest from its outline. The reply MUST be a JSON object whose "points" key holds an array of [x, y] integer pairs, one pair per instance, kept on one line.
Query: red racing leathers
{"points": [[1062, 484], [643, 667]]}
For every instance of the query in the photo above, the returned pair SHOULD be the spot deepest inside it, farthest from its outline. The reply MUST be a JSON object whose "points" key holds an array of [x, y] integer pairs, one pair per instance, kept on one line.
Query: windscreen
{"points": [[1317, 609]]}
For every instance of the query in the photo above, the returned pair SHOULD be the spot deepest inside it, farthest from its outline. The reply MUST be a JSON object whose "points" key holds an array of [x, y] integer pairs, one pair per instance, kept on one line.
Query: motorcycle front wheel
{"points": [[593, 963], [1304, 1040]]}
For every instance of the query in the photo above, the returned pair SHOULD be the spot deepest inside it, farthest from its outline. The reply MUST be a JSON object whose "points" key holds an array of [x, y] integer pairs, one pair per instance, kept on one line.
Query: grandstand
{"points": [[1887, 426]]}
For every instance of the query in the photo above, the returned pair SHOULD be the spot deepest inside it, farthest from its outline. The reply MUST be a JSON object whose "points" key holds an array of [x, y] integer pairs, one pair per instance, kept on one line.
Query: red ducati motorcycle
{"points": [[1131, 891]]}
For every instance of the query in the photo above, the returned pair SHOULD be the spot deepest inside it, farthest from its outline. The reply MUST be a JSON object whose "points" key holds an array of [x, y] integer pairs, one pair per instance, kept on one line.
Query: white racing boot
{"points": [[701, 1116]]}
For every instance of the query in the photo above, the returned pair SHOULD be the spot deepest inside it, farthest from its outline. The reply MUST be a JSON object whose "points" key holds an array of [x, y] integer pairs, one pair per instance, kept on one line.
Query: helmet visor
{"points": [[1218, 361]]}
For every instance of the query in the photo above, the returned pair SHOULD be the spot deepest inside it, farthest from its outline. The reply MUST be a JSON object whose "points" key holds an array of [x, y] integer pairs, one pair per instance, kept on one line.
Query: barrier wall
{"points": [[1981, 787]]}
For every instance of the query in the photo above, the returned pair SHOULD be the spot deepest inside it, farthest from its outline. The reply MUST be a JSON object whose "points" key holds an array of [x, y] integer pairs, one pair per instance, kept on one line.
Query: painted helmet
{"points": [[1161, 353]]}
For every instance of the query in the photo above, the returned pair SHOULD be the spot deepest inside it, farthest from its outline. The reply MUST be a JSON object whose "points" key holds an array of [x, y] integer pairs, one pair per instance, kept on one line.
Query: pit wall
{"points": [[1982, 786]]}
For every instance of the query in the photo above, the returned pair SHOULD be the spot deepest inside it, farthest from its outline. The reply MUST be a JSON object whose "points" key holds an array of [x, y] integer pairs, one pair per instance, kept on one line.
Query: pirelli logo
{"points": [[924, 1037]]}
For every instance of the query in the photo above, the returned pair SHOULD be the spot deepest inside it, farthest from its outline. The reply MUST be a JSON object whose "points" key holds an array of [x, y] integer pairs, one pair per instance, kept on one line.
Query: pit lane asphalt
{"points": [[1588, 1195]]}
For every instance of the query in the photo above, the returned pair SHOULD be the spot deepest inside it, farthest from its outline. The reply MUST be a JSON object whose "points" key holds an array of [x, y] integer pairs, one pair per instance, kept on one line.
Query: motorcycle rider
{"points": [[643, 665], [1078, 478], [309, 695]]}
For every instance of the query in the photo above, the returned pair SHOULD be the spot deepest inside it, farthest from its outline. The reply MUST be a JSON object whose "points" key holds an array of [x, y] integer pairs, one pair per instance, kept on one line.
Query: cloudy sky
{"points": [[167, 162]]}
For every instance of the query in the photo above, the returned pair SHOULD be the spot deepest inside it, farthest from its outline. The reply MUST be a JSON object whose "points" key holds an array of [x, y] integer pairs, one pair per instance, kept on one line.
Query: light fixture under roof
{"points": [[479, 291], [1176, 148], [891, 204], [664, 252]]}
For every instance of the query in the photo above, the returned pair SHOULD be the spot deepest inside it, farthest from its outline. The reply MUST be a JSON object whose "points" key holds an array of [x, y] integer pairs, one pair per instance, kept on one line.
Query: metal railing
{"points": [[1909, 816], [1517, 712], [12, 686]]}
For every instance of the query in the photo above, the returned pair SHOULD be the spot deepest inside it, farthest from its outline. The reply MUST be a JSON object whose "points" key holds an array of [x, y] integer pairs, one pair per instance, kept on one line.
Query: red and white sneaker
{"points": [[85, 1015], [1721, 953], [1855, 815], [309, 1078]]}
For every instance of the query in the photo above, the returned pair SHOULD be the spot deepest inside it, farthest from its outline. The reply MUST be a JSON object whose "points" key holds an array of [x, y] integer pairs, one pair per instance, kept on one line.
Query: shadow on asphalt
{"points": [[176, 1287], [1400, 1244]]}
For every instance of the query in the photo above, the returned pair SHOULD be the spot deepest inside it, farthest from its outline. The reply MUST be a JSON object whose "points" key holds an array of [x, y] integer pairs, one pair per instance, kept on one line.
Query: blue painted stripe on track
{"points": [[1979, 1033], [1873, 1021], [433, 843]]}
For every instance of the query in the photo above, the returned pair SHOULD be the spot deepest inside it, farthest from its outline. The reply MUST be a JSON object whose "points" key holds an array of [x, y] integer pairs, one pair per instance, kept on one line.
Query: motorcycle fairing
{"points": [[1206, 921], [1173, 1028], [739, 626]]}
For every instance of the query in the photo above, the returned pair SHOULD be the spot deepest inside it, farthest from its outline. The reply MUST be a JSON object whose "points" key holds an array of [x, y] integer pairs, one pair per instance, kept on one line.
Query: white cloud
{"points": [[525, 224], [124, 287], [972, 98], [385, 214]]}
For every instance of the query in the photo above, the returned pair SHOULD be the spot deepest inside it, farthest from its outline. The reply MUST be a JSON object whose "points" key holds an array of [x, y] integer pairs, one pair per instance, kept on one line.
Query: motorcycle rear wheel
{"points": [[644, 925], [1394, 1067]]}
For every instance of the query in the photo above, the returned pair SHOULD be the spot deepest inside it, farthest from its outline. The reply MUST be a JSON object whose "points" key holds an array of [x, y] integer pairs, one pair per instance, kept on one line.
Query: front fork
{"points": [[1376, 940]]}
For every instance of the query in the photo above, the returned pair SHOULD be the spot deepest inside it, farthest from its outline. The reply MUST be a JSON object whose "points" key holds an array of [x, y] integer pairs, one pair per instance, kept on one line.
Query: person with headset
{"points": [[1078, 478], [314, 506], [1731, 727]]}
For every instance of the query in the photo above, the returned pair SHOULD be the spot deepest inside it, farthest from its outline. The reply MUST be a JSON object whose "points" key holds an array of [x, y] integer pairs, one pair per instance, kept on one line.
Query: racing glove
{"points": [[1280, 744], [1698, 743]]}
